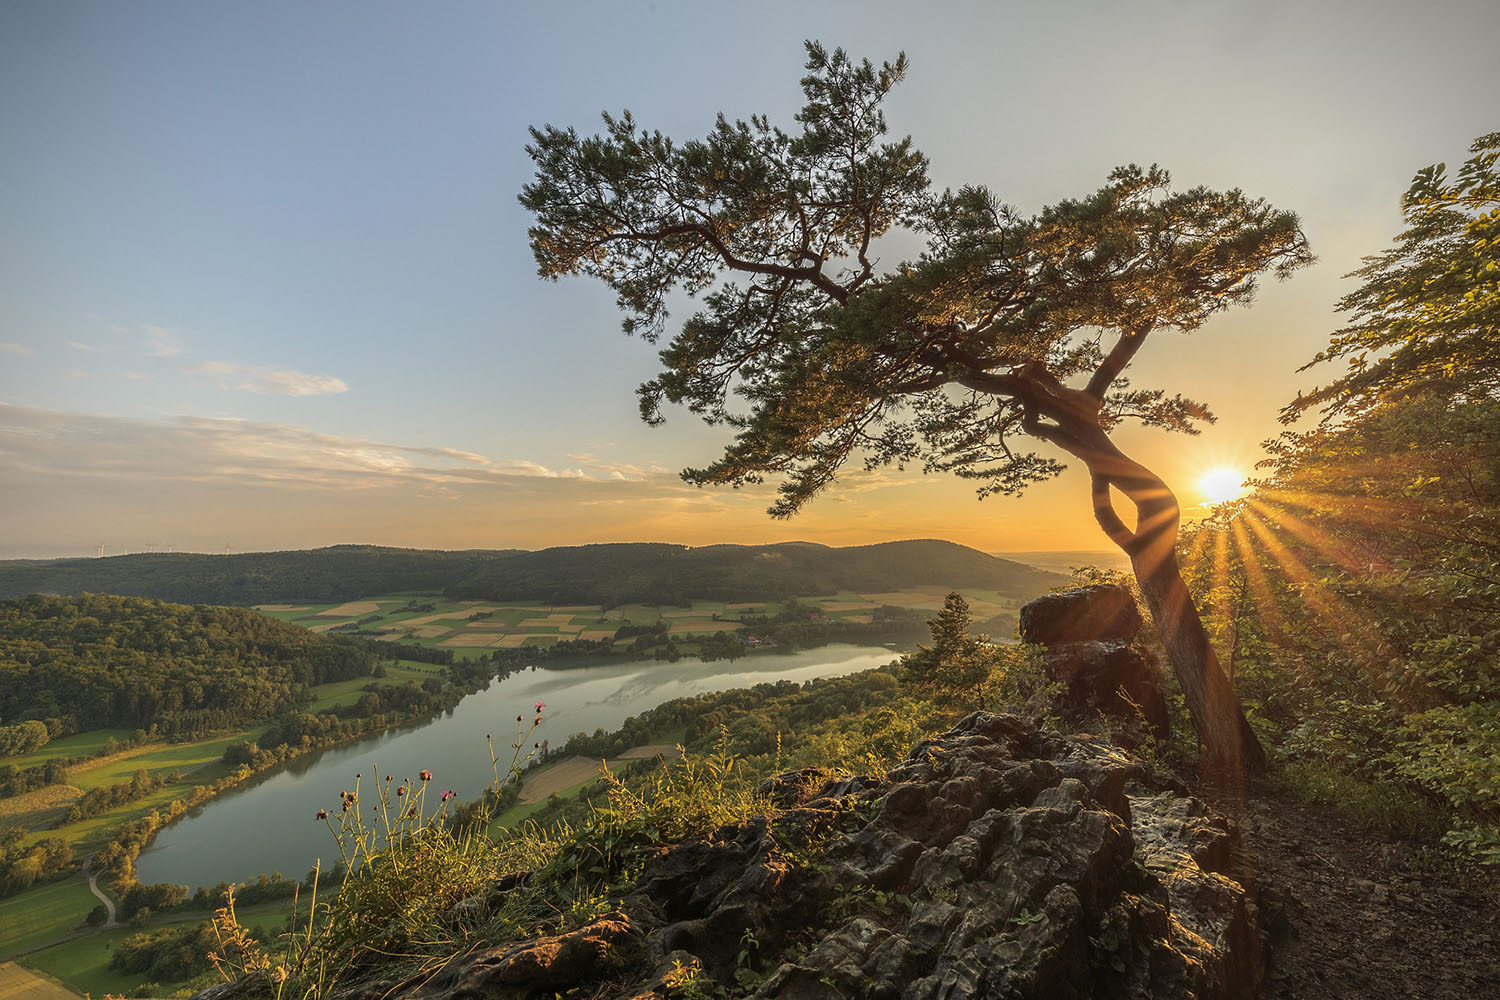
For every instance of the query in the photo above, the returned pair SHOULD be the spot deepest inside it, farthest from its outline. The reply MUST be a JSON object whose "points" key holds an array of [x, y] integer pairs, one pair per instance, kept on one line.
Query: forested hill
{"points": [[654, 573], [102, 661], [667, 574], [337, 573]]}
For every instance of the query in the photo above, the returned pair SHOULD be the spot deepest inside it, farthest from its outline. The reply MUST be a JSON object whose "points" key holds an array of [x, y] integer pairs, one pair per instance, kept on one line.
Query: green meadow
{"points": [[44, 913]]}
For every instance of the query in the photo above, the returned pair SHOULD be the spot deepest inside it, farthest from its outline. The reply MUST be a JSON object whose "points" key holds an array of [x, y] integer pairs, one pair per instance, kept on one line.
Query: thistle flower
{"points": [[400, 790], [425, 775], [447, 794], [539, 706], [322, 814]]}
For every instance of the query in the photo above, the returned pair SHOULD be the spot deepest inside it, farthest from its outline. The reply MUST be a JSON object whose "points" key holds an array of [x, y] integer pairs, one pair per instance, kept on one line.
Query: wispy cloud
{"points": [[46, 444], [262, 378], [20, 350], [617, 470], [77, 345], [161, 342]]}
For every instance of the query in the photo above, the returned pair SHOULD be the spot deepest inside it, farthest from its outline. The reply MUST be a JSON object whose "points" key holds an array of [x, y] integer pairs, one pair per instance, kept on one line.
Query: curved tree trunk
{"points": [[1230, 744]]}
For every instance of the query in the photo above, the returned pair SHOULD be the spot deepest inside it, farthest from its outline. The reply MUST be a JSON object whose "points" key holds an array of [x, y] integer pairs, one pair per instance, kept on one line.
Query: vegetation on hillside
{"points": [[102, 661], [1356, 592], [610, 575]]}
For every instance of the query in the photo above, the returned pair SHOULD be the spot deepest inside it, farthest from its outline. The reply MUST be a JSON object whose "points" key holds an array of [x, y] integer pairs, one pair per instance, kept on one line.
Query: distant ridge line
{"points": [[606, 573]]}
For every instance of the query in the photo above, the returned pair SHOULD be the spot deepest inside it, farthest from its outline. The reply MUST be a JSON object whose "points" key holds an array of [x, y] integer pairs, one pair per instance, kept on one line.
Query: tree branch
{"points": [[1115, 361]]}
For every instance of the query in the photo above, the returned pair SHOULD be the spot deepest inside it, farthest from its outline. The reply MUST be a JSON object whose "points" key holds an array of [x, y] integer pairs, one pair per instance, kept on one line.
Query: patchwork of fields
{"points": [[464, 626]]}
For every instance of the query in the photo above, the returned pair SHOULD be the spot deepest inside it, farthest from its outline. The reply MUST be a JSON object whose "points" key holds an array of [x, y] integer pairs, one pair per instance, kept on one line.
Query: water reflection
{"points": [[267, 824]]}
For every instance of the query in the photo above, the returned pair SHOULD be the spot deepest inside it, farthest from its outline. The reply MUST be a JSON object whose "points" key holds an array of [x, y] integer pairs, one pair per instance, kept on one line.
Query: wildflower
{"points": [[447, 794], [400, 790], [411, 812], [539, 706], [322, 814], [518, 718], [425, 775]]}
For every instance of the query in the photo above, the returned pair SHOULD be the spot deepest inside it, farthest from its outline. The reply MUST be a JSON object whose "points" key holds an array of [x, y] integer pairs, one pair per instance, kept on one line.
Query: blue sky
{"points": [[264, 281]]}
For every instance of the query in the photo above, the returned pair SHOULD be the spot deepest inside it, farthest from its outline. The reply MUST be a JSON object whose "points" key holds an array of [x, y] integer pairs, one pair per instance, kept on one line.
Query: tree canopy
{"points": [[813, 355], [1005, 328], [1426, 316], [1358, 588]]}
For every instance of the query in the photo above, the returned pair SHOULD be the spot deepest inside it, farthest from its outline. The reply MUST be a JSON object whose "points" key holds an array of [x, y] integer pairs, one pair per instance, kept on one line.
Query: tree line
{"points": [[613, 574]]}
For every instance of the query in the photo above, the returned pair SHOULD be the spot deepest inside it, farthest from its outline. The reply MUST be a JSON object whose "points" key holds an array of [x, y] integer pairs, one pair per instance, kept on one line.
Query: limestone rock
{"points": [[1083, 614], [1114, 676], [996, 861]]}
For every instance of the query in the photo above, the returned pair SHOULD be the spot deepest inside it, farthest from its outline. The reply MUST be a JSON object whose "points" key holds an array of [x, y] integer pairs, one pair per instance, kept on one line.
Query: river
{"points": [[268, 825]]}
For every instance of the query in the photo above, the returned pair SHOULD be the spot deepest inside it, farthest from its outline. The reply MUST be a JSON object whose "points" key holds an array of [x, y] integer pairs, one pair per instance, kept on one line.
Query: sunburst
{"points": [[1221, 484]]}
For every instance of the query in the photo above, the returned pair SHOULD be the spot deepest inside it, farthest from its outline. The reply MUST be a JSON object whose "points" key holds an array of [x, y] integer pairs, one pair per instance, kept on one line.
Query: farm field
{"points": [[42, 914], [17, 983], [564, 778], [469, 628], [83, 964]]}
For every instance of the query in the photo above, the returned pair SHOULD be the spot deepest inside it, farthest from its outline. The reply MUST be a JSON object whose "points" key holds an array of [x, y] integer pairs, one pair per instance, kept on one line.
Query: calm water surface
{"points": [[268, 824]]}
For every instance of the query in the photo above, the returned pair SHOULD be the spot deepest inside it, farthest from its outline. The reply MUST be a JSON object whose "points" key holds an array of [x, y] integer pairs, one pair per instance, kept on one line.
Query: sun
{"points": [[1221, 484]]}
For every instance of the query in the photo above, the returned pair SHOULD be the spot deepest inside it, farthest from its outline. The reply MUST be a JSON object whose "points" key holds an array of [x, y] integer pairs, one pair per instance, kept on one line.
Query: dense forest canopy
{"points": [[647, 573], [334, 574], [668, 574], [103, 661]]}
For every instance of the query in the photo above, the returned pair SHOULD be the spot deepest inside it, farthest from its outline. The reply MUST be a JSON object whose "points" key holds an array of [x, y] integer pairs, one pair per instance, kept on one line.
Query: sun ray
{"points": [[1222, 612], [1315, 537], [1358, 636], [1260, 587]]}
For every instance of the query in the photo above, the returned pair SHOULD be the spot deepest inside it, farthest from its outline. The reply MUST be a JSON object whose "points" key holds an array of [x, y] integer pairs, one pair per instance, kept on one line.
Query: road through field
{"points": [[109, 904]]}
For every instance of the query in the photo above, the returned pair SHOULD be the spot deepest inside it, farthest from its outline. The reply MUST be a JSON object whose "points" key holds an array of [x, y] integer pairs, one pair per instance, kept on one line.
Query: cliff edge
{"points": [[996, 861]]}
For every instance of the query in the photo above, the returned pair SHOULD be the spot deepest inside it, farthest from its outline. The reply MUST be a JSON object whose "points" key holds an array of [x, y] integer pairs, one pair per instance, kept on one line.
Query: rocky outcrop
{"points": [[997, 861], [1086, 633], [1083, 614]]}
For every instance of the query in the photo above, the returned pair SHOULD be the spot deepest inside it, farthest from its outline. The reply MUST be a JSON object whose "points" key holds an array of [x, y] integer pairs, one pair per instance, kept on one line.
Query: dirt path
{"points": [[109, 904], [1355, 914]]}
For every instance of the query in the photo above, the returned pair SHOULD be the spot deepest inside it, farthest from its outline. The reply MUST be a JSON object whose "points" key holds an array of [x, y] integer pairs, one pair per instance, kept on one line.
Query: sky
{"points": [[265, 284]]}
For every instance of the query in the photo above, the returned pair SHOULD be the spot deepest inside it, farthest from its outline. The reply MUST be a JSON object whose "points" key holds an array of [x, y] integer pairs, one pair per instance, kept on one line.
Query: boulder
{"points": [[996, 861], [1115, 677], [1083, 614]]}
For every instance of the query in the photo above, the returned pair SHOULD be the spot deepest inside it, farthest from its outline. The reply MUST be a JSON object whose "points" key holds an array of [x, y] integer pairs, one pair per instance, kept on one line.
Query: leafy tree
{"points": [[957, 664], [1359, 586], [1427, 316], [1004, 328]]}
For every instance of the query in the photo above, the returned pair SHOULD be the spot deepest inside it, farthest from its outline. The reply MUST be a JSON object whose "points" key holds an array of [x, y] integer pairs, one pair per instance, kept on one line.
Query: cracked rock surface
{"points": [[996, 861]]}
